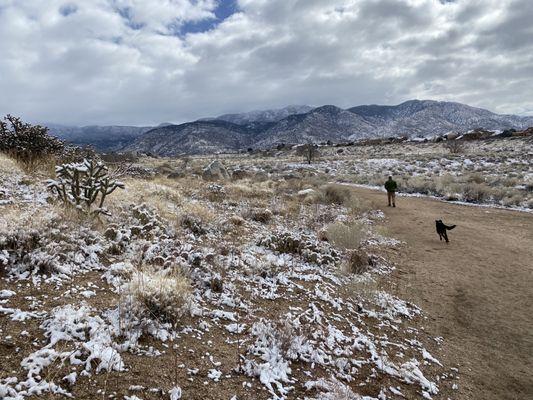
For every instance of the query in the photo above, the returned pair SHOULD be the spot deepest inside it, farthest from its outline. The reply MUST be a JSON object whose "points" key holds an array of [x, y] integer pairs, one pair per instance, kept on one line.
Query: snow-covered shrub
{"points": [[50, 248], [76, 154], [83, 185], [195, 217], [310, 249], [216, 192], [26, 143], [158, 295]]}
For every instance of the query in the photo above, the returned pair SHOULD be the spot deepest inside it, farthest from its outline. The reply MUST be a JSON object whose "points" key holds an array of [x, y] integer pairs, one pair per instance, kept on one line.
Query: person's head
{"points": [[390, 178]]}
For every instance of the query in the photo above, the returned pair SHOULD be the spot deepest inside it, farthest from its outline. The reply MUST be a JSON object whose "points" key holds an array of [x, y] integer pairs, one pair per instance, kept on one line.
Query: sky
{"points": [[143, 62]]}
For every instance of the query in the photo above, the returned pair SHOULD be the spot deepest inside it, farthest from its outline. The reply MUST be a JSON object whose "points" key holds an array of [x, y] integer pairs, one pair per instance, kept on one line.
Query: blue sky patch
{"points": [[225, 9]]}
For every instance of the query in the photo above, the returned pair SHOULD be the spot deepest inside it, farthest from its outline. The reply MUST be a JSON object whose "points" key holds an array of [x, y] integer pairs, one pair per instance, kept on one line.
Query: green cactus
{"points": [[84, 185]]}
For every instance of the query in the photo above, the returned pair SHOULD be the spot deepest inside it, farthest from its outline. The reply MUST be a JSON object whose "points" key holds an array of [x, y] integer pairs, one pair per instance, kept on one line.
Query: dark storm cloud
{"points": [[147, 61]]}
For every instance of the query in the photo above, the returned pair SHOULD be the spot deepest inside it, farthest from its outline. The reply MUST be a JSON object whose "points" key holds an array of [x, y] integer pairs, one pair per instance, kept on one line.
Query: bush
{"points": [[336, 194], [476, 192], [158, 295], [346, 236], [356, 262], [83, 185], [28, 144], [454, 146]]}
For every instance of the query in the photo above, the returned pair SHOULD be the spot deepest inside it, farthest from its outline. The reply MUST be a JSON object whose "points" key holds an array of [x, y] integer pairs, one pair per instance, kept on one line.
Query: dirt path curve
{"points": [[477, 290]]}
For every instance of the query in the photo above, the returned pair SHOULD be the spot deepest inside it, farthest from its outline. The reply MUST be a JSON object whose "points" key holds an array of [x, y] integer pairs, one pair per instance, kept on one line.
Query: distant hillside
{"points": [[294, 124], [102, 138]]}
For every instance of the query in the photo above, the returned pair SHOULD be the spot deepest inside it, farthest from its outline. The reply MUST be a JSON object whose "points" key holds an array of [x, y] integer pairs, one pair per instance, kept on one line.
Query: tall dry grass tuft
{"points": [[345, 196], [348, 236], [157, 294]]}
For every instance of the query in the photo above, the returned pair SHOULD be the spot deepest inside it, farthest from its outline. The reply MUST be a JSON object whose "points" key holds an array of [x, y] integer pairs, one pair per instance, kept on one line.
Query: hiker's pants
{"points": [[391, 196]]}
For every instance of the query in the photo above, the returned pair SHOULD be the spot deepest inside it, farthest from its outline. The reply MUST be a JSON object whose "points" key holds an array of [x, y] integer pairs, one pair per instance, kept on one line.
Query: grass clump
{"points": [[348, 236], [158, 295]]}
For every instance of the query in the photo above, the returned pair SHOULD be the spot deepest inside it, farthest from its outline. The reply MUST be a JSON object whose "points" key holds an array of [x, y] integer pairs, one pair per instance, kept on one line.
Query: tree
{"points": [[454, 146], [309, 151], [26, 143]]}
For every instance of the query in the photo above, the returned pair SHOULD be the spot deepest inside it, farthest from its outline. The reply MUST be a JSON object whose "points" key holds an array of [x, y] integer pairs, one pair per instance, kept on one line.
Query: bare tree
{"points": [[454, 146], [309, 151]]}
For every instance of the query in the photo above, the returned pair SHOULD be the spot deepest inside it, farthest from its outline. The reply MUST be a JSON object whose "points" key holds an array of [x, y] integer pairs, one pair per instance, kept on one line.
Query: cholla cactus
{"points": [[83, 185]]}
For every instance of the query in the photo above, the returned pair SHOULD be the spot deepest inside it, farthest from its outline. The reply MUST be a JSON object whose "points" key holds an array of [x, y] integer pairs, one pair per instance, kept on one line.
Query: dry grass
{"points": [[345, 196], [348, 236], [157, 294], [249, 189]]}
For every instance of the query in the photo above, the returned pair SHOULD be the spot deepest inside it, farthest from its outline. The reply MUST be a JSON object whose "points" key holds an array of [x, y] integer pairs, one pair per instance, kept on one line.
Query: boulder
{"points": [[451, 136], [215, 171]]}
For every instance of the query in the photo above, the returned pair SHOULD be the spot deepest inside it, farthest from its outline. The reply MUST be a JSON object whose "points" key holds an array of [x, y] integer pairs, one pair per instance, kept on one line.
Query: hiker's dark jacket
{"points": [[391, 186]]}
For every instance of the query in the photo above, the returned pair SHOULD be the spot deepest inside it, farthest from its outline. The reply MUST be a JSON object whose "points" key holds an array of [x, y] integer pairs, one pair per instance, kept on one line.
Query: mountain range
{"points": [[293, 124]]}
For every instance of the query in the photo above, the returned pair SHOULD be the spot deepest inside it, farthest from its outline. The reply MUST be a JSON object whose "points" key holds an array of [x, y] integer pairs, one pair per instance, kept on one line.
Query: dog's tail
{"points": [[450, 227]]}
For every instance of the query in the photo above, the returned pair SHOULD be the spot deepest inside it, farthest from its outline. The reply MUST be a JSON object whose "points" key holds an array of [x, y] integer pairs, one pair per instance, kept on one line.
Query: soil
{"points": [[477, 290]]}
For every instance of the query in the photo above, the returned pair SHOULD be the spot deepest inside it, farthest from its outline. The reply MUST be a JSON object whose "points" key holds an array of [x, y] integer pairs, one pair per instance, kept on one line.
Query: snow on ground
{"points": [[264, 313]]}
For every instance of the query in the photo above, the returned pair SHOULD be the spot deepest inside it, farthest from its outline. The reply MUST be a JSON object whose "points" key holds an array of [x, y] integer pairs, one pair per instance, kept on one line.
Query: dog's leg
{"points": [[446, 237]]}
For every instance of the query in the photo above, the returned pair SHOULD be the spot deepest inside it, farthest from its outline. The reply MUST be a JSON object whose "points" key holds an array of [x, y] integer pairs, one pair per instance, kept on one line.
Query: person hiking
{"points": [[391, 186]]}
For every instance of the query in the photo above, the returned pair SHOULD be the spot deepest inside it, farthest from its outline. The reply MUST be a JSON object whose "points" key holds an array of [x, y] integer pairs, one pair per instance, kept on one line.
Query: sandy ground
{"points": [[477, 290]]}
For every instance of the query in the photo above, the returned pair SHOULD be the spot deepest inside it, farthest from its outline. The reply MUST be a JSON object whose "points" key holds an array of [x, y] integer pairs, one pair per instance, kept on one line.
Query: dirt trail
{"points": [[477, 290]]}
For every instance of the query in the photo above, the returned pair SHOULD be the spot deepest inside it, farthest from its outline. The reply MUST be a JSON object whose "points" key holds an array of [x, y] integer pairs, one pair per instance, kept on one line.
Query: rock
{"points": [[451, 136], [306, 192], [215, 171]]}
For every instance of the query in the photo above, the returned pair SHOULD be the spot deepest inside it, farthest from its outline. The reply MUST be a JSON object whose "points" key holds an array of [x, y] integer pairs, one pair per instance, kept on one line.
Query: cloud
{"points": [[148, 61]]}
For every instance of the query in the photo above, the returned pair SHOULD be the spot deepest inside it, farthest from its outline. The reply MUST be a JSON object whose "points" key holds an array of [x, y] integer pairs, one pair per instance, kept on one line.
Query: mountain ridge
{"points": [[296, 124]]}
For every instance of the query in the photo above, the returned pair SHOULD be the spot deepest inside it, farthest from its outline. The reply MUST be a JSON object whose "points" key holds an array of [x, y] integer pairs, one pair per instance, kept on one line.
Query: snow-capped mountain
{"points": [[297, 124], [264, 115]]}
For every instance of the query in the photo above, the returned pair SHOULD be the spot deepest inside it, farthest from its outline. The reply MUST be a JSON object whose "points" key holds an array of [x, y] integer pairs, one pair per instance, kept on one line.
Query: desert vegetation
{"points": [[260, 275], [259, 280]]}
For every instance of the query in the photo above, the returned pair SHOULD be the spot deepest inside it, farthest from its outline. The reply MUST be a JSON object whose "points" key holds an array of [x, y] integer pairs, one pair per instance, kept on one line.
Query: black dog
{"points": [[441, 229]]}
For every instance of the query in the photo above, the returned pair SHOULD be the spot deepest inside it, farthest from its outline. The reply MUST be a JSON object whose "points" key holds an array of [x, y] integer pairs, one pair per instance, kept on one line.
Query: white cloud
{"points": [[126, 61]]}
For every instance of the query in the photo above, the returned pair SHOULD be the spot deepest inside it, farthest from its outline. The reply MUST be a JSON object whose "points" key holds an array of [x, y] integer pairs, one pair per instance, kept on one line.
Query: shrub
{"points": [[83, 185], [336, 194], [356, 262], [454, 146], [476, 192], [158, 295], [346, 236], [26, 143], [195, 217]]}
